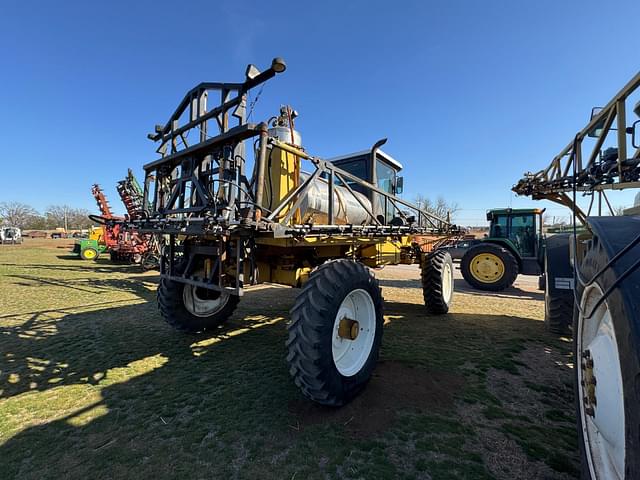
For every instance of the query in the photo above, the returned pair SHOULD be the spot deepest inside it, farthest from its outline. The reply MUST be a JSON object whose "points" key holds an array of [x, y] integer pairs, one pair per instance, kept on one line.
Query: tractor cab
{"points": [[519, 229], [377, 168]]}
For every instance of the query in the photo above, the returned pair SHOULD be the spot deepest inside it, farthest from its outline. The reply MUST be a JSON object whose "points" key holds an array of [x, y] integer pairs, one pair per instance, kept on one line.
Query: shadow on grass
{"points": [[460, 285], [101, 265], [164, 404], [89, 285]]}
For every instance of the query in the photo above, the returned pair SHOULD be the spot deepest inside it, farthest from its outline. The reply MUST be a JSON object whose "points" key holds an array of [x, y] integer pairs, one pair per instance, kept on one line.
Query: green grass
{"points": [[94, 385]]}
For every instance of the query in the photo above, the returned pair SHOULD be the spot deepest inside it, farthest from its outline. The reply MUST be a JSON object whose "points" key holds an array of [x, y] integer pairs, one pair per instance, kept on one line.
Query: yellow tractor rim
{"points": [[89, 254], [487, 268]]}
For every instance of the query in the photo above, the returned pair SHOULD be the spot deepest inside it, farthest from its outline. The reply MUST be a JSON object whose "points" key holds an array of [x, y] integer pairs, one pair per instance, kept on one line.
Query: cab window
{"points": [[499, 227], [357, 167], [385, 175]]}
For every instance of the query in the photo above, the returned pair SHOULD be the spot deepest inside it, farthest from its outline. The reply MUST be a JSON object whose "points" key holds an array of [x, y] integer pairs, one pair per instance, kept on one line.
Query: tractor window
{"points": [[499, 227], [523, 234]]}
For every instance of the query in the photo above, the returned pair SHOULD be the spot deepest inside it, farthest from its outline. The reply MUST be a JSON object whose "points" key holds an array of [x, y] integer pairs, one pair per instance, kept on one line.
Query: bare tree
{"points": [[440, 207], [64, 216], [57, 216], [16, 214], [618, 211], [78, 218]]}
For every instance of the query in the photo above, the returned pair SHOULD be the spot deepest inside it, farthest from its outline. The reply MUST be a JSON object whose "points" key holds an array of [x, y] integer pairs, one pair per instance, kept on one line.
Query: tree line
{"points": [[25, 217], [440, 207]]}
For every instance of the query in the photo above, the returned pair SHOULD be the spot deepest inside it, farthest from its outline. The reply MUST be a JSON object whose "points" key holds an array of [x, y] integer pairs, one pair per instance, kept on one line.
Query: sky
{"points": [[470, 93]]}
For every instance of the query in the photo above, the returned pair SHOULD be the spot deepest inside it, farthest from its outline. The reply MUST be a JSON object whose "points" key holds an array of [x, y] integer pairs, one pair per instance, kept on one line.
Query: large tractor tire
{"points": [[335, 332], [193, 309], [489, 267], [558, 312], [558, 287], [437, 281], [607, 355]]}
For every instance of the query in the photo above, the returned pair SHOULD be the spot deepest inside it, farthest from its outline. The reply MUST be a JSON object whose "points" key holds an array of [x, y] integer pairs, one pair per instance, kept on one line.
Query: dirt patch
{"points": [[530, 431], [394, 386]]}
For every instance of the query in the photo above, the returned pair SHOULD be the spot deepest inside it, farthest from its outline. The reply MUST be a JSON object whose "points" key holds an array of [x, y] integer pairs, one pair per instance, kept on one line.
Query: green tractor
{"points": [[91, 248], [516, 245]]}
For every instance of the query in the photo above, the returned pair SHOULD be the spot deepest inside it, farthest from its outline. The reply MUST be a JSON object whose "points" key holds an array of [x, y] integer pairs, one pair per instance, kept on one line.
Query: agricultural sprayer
{"points": [[234, 204]]}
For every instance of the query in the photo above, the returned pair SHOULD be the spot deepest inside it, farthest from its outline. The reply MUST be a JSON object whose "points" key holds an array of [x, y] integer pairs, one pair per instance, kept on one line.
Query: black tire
{"points": [[558, 281], [88, 256], [622, 303], [509, 261], [150, 262], [171, 305], [437, 299], [558, 312], [310, 354]]}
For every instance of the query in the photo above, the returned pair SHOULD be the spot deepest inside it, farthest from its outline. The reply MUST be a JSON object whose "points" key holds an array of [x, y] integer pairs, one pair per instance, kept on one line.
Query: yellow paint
{"points": [[386, 253], [323, 240], [282, 176], [97, 234], [291, 276], [487, 268]]}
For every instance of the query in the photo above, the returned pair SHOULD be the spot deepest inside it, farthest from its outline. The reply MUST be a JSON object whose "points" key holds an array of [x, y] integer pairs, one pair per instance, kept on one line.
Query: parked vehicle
{"points": [[458, 248], [319, 226], [10, 235]]}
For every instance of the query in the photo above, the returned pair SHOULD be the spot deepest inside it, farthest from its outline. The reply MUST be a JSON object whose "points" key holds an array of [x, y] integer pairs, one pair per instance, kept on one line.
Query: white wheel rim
{"points": [[202, 307], [604, 431], [349, 356], [447, 283]]}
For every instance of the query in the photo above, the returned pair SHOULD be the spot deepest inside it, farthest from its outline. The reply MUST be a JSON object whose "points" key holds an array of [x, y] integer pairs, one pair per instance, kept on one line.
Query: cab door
{"points": [[522, 233], [386, 179]]}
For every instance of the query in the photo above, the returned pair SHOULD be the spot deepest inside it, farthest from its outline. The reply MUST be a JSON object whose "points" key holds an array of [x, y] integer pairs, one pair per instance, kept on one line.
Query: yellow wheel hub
{"points": [[89, 254], [487, 268], [348, 329]]}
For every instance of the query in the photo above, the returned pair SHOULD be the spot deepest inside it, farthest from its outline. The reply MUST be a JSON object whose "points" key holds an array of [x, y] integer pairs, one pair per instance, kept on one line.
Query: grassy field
{"points": [[94, 385]]}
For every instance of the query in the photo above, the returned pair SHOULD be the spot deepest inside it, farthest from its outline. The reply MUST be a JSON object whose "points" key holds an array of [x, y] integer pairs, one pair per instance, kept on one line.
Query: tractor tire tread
{"points": [[172, 310], [307, 356], [431, 277], [559, 313]]}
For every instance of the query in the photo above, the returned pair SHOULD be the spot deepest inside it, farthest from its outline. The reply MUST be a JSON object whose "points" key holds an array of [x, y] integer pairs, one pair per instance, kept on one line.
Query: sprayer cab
{"points": [[378, 168], [381, 170]]}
